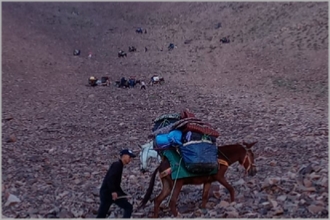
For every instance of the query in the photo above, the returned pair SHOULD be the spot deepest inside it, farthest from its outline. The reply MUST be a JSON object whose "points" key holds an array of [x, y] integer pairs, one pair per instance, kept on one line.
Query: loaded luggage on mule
{"points": [[183, 136]]}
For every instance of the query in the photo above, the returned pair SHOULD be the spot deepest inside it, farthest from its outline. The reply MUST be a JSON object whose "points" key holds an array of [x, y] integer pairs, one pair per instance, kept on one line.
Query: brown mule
{"points": [[227, 155]]}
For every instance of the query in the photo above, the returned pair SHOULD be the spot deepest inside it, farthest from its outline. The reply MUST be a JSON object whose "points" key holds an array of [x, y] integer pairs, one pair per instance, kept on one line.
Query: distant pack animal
{"points": [[105, 81], [171, 46], [218, 25], [122, 54], [119, 85], [225, 40], [76, 52], [92, 81], [139, 31], [131, 49], [156, 80]]}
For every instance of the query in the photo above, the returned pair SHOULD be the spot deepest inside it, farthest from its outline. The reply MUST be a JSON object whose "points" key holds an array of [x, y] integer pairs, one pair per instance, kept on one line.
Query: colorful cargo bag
{"points": [[199, 156]]}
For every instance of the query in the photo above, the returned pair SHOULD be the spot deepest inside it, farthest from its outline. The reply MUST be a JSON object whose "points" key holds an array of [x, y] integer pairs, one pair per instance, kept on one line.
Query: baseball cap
{"points": [[128, 152]]}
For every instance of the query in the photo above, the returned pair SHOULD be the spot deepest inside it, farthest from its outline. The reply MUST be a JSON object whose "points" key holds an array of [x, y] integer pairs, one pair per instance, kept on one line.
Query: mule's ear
{"points": [[250, 145]]}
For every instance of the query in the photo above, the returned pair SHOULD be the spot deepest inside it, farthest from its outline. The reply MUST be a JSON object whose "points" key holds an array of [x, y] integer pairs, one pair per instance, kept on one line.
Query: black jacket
{"points": [[112, 180]]}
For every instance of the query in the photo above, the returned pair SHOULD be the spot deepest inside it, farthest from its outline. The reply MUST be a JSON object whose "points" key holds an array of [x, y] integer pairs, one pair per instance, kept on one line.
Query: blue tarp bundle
{"points": [[171, 139], [199, 156]]}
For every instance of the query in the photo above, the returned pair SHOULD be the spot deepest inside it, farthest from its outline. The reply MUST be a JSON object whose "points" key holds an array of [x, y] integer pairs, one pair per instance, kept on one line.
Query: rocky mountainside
{"points": [[269, 83]]}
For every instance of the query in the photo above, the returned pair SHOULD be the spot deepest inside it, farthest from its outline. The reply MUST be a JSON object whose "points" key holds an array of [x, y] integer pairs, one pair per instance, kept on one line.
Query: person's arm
{"points": [[111, 176]]}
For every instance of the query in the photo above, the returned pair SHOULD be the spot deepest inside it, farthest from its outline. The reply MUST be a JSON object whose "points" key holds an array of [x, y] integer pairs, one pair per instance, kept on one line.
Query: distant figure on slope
{"points": [[143, 85]]}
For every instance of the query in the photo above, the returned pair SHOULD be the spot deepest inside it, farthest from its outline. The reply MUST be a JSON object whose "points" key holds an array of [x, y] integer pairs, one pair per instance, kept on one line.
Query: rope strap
{"points": [[165, 172], [169, 200], [223, 162]]}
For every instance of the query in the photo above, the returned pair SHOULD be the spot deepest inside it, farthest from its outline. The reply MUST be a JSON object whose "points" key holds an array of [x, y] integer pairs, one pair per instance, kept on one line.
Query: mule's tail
{"points": [[149, 190]]}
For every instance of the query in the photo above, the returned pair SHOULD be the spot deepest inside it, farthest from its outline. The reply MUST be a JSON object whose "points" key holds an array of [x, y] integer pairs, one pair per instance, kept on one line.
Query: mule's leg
{"points": [[231, 190], [206, 190], [174, 198], [166, 190], [221, 178]]}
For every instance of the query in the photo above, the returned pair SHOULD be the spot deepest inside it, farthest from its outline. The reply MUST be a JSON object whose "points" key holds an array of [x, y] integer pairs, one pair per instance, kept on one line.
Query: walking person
{"points": [[143, 85], [111, 191]]}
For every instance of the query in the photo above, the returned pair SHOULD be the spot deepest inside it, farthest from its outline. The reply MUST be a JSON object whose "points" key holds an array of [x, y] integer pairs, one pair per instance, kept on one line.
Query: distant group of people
{"points": [[123, 83], [130, 83], [140, 31]]}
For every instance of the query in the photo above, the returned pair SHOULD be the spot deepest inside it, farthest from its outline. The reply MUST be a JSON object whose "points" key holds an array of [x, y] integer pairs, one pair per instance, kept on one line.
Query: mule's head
{"points": [[248, 161]]}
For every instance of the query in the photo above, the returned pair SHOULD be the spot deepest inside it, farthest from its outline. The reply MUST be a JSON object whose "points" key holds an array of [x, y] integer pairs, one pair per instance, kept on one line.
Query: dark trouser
{"points": [[122, 203]]}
